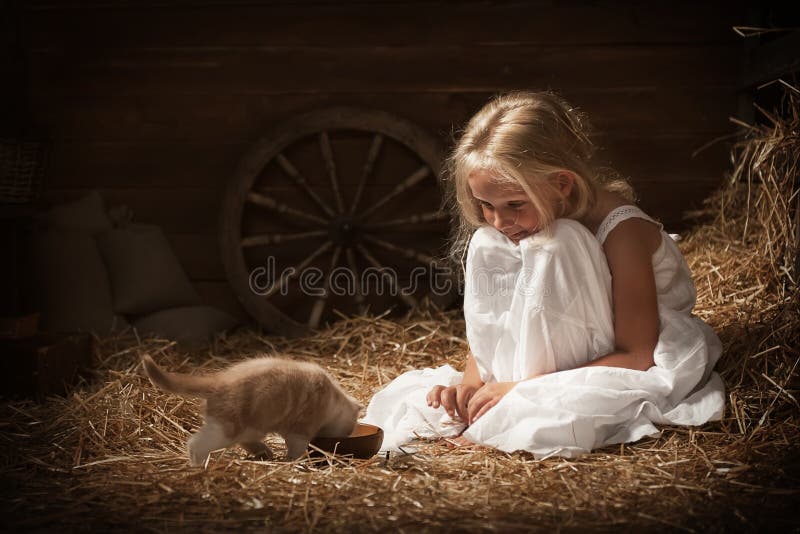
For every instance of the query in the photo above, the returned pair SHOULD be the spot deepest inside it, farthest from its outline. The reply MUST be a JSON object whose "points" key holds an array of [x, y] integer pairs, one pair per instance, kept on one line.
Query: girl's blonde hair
{"points": [[522, 138]]}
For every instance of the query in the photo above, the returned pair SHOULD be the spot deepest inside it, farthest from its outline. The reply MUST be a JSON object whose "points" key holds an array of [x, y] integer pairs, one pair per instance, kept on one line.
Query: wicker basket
{"points": [[22, 168]]}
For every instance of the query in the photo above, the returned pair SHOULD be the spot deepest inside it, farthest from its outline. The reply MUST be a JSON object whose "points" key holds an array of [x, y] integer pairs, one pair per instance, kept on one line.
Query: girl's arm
{"points": [[629, 250], [472, 376]]}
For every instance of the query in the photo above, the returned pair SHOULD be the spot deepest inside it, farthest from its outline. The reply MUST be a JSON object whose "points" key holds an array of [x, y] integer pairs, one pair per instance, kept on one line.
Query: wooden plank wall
{"points": [[154, 103]]}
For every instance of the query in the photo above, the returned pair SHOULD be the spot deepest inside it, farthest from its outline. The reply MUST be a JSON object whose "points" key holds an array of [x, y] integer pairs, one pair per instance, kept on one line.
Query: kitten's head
{"points": [[347, 415], [357, 405]]}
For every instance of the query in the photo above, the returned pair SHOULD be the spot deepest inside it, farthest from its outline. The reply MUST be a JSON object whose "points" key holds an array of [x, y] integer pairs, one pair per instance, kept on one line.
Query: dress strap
{"points": [[617, 215]]}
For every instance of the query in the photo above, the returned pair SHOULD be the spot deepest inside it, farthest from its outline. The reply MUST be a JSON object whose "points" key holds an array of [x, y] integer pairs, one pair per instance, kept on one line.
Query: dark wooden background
{"points": [[154, 103]]}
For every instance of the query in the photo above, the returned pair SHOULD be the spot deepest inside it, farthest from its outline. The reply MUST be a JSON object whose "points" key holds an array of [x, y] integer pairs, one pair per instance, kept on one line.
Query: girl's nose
{"points": [[503, 220]]}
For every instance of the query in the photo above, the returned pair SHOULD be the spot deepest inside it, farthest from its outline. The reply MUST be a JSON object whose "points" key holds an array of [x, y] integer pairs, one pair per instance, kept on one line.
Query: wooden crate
{"points": [[43, 365]]}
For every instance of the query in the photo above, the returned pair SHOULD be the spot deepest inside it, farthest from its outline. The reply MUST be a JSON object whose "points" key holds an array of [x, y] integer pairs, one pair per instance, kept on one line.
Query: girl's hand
{"points": [[486, 397], [453, 398]]}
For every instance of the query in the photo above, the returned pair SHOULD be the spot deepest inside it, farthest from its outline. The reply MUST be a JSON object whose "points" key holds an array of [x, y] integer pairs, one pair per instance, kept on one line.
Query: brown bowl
{"points": [[364, 442]]}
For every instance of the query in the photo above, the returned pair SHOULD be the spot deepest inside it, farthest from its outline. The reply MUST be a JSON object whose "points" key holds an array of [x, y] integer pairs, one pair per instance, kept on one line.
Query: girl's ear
{"points": [[564, 181]]}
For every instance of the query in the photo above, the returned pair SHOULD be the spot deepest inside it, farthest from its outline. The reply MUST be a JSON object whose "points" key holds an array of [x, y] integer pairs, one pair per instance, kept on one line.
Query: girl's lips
{"points": [[518, 235]]}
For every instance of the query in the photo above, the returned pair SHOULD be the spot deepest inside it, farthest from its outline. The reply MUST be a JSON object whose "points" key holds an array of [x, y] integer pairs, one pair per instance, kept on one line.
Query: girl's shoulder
{"points": [[628, 226], [613, 210], [621, 213]]}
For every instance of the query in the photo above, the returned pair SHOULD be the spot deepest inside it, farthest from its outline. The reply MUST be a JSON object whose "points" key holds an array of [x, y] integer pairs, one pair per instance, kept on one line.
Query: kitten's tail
{"points": [[189, 385]]}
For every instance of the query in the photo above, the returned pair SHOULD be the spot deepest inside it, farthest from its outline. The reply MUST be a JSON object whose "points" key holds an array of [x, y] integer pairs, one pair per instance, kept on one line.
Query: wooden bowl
{"points": [[364, 442]]}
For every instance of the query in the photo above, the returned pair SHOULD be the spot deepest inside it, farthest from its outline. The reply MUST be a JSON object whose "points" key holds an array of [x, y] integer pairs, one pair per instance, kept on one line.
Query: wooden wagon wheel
{"points": [[335, 210]]}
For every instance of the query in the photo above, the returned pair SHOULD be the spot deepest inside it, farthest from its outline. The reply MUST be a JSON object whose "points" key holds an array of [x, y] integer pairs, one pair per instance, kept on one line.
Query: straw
{"points": [[111, 454]]}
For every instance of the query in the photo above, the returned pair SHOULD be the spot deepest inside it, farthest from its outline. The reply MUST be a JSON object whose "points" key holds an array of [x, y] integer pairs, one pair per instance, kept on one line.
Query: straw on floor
{"points": [[111, 455]]}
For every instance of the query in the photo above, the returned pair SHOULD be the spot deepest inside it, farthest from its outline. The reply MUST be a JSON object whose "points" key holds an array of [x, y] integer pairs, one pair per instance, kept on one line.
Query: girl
{"points": [[577, 304]]}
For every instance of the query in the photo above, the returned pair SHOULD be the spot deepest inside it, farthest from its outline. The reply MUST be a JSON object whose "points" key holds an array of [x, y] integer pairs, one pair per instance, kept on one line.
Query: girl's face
{"points": [[505, 207]]}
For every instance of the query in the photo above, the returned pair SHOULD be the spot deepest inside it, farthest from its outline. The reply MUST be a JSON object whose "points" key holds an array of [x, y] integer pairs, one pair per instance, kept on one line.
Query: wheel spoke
{"points": [[374, 150], [409, 182], [280, 207], [272, 239], [351, 261], [292, 273], [301, 181], [330, 165], [414, 219], [319, 304], [406, 252], [411, 301]]}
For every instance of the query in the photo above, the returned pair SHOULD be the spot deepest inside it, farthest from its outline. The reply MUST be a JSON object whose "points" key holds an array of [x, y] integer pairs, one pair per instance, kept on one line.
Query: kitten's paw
{"points": [[296, 446], [196, 459], [197, 455]]}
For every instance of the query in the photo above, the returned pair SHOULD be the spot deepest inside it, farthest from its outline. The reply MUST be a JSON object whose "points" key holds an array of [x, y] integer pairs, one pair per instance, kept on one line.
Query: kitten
{"points": [[298, 400]]}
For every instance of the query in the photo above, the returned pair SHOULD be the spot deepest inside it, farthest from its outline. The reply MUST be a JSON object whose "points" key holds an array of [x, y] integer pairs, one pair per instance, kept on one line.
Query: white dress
{"points": [[545, 306]]}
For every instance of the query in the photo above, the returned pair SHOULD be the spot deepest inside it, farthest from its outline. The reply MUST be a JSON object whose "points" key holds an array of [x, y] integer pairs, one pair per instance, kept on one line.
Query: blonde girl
{"points": [[577, 304]]}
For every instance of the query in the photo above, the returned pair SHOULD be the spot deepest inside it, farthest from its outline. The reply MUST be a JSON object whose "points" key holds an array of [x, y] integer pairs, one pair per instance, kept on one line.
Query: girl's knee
{"points": [[567, 262]]}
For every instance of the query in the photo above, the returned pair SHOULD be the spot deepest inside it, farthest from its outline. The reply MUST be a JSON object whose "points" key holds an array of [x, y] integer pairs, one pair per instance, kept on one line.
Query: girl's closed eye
{"points": [[514, 205]]}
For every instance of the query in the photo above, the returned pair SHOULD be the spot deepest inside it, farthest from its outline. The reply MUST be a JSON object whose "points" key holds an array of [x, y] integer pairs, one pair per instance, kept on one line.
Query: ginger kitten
{"points": [[243, 403]]}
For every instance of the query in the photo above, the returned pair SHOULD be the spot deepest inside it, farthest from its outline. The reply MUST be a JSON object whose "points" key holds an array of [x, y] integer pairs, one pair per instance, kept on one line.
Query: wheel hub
{"points": [[344, 231]]}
